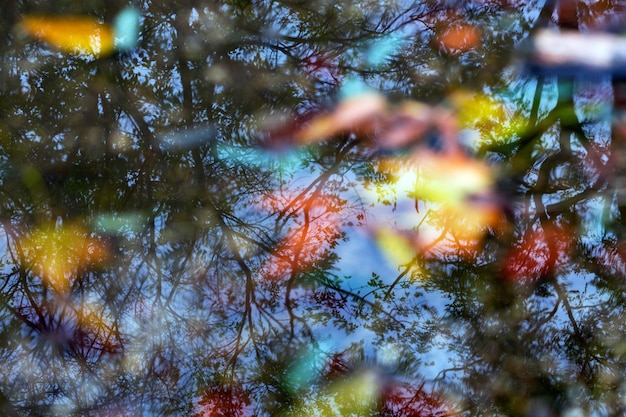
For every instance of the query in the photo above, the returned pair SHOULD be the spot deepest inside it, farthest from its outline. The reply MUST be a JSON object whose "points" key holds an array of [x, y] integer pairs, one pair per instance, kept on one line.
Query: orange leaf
{"points": [[73, 34]]}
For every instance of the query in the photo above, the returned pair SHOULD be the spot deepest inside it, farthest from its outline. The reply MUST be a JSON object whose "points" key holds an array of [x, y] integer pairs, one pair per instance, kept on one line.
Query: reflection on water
{"points": [[269, 208]]}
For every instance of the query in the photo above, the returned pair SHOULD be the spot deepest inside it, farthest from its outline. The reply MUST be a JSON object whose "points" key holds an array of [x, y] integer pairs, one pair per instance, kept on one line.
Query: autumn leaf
{"points": [[396, 247], [78, 35], [405, 126], [451, 179], [85, 35]]}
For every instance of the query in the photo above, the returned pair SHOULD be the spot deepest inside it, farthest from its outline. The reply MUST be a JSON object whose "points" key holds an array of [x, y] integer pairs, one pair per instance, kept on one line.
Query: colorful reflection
{"points": [[316, 230], [538, 252], [224, 401], [58, 254], [200, 291], [355, 390]]}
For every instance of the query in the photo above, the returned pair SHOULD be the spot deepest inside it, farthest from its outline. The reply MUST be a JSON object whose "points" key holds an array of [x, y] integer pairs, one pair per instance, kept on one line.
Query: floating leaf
{"points": [[358, 110], [570, 52], [458, 195], [357, 113], [451, 179], [79, 35], [186, 137], [463, 205], [85, 35], [406, 126]]}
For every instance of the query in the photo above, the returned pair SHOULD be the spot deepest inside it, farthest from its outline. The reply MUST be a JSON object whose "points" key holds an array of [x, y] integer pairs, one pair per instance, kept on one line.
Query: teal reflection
{"points": [[119, 224], [307, 368], [379, 52], [186, 137]]}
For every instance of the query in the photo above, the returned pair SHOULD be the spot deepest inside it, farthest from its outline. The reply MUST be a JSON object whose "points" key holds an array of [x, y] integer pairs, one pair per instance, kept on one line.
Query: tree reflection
{"points": [[177, 219]]}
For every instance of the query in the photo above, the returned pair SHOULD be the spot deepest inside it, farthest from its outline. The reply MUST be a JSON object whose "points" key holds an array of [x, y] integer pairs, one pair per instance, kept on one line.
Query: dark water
{"points": [[312, 208]]}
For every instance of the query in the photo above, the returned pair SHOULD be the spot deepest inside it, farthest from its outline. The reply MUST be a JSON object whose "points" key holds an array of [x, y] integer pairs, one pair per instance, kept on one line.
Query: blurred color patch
{"points": [[59, 253], [458, 38]]}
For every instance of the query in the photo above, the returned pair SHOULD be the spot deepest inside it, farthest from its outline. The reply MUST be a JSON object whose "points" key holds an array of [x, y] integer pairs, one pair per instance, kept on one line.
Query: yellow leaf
{"points": [[73, 34], [457, 193]]}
